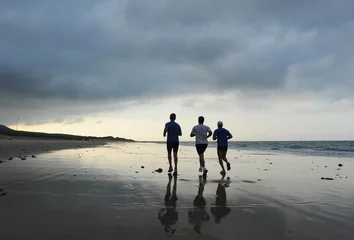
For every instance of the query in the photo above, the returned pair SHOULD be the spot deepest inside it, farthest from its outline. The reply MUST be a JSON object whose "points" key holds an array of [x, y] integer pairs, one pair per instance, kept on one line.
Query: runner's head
{"points": [[220, 124], [172, 117], [201, 120]]}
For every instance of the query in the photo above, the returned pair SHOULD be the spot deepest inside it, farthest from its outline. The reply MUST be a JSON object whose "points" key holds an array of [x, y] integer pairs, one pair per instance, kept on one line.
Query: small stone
{"points": [[142, 167], [325, 166], [259, 180], [228, 178], [1, 161], [10, 158], [327, 178], [136, 172], [33, 156], [340, 165], [23, 158], [1, 190], [74, 175], [270, 163], [3, 194], [159, 170]]}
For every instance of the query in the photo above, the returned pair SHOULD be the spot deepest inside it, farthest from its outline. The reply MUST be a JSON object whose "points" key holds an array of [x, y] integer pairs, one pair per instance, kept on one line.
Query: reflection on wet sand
{"points": [[55, 196], [168, 216], [220, 209], [198, 214]]}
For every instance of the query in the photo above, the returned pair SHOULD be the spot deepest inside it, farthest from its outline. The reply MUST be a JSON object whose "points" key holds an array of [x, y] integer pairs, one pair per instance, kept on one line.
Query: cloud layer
{"points": [[98, 50]]}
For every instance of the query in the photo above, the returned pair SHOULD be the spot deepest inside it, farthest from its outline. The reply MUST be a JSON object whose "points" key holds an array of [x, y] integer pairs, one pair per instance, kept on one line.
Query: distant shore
{"points": [[22, 144], [11, 148], [8, 132]]}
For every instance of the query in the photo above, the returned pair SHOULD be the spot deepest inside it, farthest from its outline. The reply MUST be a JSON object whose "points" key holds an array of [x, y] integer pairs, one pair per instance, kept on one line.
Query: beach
{"points": [[112, 191], [15, 147]]}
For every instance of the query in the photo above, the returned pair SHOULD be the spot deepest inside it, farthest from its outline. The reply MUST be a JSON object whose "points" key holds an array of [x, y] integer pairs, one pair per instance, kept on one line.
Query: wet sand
{"points": [[11, 147], [102, 192]]}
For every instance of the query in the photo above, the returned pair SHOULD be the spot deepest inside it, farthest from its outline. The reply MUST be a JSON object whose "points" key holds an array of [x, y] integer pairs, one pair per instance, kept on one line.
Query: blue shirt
{"points": [[173, 130], [221, 134]]}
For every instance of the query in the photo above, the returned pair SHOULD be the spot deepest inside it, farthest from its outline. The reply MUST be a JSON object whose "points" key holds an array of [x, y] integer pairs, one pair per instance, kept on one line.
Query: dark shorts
{"points": [[201, 148], [222, 148], [172, 146]]}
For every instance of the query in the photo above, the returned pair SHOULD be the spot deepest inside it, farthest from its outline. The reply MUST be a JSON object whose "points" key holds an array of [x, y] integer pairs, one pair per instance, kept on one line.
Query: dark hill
{"points": [[13, 133]]}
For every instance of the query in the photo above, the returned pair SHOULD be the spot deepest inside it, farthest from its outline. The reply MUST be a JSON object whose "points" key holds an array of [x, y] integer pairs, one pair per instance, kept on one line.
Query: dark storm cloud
{"points": [[97, 50]]}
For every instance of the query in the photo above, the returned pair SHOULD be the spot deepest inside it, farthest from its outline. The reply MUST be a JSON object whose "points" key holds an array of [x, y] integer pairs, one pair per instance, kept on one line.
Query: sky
{"points": [[270, 70]]}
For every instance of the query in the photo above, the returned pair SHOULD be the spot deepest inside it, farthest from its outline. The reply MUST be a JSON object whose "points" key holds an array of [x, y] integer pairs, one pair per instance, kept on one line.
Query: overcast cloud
{"points": [[88, 52]]}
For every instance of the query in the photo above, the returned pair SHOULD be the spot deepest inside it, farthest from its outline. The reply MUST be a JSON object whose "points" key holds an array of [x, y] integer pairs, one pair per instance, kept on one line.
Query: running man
{"points": [[222, 135], [201, 133], [173, 130]]}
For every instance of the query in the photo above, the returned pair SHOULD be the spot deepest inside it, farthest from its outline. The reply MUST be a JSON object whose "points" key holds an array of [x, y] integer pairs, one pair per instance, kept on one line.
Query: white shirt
{"points": [[201, 133]]}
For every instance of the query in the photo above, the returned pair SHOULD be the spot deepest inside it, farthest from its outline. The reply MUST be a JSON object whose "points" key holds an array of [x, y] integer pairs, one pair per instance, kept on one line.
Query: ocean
{"points": [[317, 148]]}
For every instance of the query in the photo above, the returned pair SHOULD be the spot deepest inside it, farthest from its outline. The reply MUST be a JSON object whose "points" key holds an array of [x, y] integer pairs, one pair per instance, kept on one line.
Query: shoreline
{"points": [[11, 148]]}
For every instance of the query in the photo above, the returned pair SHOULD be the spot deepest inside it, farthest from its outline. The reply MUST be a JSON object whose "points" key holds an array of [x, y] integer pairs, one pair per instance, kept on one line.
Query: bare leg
{"points": [[220, 156], [175, 158], [225, 160], [169, 156], [201, 160], [224, 156]]}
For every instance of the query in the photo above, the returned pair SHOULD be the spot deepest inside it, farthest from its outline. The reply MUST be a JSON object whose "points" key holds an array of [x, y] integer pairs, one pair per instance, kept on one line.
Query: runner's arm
{"points": [[214, 136], [209, 133], [180, 132], [229, 136], [192, 133], [165, 131]]}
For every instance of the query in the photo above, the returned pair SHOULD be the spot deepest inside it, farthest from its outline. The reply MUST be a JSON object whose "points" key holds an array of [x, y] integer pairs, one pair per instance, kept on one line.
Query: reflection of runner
{"points": [[222, 135], [220, 210], [168, 216], [201, 133], [199, 214], [173, 130]]}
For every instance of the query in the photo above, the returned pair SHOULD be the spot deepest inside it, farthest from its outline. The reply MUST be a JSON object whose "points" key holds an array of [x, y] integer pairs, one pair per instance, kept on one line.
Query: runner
{"points": [[201, 133], [222, 135], [173, 130]]}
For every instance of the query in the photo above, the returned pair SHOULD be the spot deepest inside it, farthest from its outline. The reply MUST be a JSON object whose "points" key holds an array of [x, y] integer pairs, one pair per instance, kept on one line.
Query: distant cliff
{"points": [[13, 133]]}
